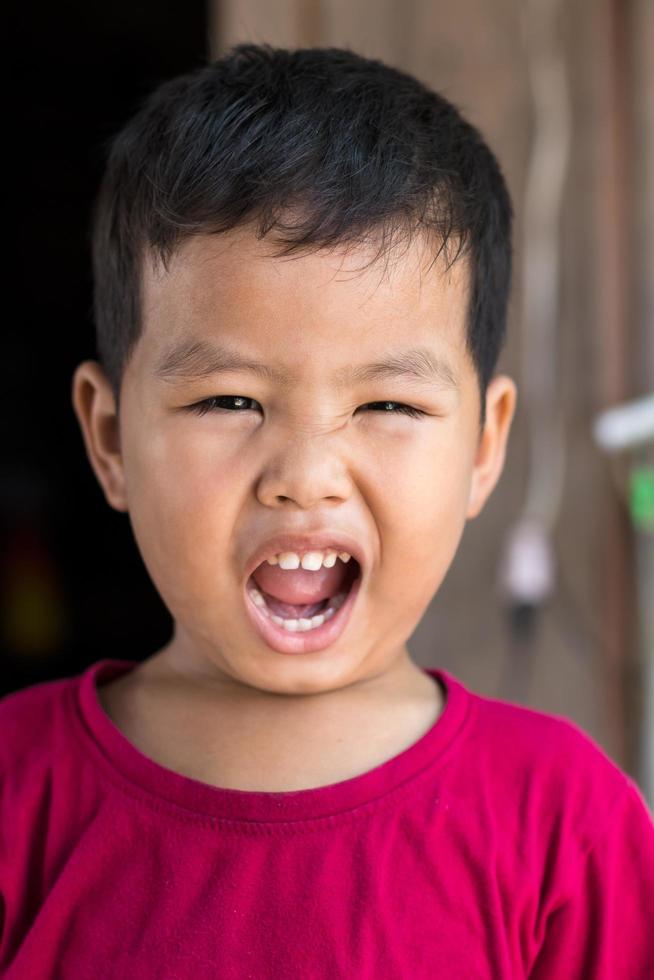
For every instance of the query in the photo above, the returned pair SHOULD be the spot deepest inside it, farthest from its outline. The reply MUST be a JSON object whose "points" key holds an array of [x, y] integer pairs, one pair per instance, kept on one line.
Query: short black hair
{"points": [[350, 146]]}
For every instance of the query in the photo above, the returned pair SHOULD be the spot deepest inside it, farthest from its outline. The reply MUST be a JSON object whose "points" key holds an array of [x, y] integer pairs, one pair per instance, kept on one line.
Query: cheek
{"points": [[424, 504], [427, 478], [180, 506]]}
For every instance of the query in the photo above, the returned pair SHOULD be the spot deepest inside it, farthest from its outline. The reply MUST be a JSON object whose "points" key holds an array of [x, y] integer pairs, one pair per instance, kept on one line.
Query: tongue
{"points": [[299, 592]]}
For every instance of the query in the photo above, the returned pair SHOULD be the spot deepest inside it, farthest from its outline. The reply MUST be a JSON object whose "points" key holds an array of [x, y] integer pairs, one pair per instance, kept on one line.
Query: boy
{"points": [[302, 264]]}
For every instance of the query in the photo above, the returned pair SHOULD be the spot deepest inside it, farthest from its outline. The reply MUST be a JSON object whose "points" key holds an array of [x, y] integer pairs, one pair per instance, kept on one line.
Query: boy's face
{"points": [[204, 492]]}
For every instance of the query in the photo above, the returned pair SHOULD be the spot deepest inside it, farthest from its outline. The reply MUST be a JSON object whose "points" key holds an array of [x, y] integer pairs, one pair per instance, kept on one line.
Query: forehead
{"points": [[226, 299]]}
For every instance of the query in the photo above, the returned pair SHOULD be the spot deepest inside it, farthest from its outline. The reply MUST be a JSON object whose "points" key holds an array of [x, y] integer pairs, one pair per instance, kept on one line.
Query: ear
{"points": [[501, 399], [95, 408]]}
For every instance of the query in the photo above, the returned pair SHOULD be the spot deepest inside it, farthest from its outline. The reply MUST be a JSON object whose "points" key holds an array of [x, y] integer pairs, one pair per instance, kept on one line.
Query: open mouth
{"points": [[300, 617], [303, 627]]}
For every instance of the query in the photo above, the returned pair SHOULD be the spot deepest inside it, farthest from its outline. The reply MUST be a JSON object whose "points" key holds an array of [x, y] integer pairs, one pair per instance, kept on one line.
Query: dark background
{"points": [[73, 588]]}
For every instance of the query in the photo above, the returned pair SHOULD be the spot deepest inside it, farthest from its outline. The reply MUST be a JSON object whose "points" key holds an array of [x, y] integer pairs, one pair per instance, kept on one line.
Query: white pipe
{"points": [[625, 426], [527, 569]]}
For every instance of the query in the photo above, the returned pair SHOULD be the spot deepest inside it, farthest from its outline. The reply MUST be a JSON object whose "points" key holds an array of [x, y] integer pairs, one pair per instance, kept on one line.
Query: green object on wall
{"points": [[641, 497]]}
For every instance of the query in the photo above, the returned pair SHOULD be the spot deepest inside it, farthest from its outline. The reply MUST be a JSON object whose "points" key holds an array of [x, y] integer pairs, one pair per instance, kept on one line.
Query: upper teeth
{"points": [[313, 560]]}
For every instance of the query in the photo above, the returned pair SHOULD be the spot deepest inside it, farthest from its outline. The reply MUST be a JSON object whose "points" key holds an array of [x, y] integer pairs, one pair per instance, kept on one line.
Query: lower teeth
{"points": [[299, 625]]}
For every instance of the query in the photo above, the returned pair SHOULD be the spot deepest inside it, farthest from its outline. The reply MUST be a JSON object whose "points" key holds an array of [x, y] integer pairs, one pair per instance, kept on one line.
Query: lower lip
{"points": [[309, 641]]}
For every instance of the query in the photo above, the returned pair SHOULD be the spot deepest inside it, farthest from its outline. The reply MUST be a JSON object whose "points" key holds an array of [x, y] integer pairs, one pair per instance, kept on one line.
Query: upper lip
{"points": [[316, 541]]}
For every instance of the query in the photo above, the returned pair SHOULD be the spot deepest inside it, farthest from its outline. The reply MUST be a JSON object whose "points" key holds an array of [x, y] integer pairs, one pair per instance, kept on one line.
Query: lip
{"points": [[310, 641], [317, 541]]}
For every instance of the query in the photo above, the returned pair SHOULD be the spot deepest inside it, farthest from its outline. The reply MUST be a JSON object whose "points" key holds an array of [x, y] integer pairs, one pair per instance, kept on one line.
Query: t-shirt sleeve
{"points": [[605, 930]]}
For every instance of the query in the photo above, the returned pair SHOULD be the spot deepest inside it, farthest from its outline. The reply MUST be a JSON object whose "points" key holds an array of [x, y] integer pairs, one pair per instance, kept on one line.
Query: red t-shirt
{"points": [[504, 843]]}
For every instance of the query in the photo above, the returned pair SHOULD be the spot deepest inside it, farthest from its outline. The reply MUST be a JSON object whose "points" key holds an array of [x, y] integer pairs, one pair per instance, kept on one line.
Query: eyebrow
{"points": [[196, 360]]}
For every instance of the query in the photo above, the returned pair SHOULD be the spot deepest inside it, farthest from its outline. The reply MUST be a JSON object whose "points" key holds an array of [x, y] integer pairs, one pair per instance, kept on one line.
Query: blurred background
{"points": [[550, 599]]}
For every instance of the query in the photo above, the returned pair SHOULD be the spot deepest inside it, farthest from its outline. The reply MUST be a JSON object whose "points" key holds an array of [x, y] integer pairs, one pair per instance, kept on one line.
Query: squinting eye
{"points": [[402, 409], [211, 404]]}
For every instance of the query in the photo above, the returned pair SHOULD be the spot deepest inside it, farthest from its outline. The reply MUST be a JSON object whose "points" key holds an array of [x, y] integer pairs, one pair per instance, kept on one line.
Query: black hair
{"points": [[349, 146]]}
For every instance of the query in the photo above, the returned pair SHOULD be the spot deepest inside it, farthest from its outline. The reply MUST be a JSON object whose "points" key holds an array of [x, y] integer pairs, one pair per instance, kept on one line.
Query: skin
{"points": [[216, 703]]}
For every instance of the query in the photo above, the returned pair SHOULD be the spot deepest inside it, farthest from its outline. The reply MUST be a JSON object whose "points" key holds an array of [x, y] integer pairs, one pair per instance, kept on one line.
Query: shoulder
{"points": [[540, 738], [568, 777], [34, 703], [29, 718]]}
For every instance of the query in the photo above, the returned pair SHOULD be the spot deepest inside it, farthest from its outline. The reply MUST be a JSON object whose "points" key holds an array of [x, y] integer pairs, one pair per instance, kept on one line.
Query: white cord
{"points": [[527, 569]]}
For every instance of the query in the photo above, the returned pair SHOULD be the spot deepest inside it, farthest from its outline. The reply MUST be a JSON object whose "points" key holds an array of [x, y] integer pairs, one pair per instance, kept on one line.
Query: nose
{"points": [[304, 472]]}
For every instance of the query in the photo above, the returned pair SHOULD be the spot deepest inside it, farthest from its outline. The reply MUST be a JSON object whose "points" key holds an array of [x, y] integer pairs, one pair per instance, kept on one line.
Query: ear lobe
{"points": [[501, 400], [95, 407]]}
